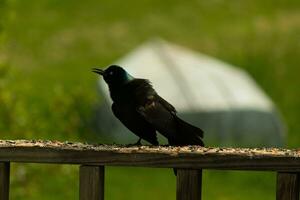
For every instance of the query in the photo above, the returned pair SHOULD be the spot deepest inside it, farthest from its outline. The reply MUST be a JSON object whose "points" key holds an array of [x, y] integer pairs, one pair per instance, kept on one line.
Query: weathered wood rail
{"points": [[189, 161]]}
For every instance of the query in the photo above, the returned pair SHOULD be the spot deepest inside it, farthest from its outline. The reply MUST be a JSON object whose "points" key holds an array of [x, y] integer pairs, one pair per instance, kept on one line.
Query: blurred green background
{"points": [[48, 92]]}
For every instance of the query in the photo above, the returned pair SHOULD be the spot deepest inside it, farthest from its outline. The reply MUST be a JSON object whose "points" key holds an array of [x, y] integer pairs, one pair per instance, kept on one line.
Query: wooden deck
{"points": [[189, 160]]}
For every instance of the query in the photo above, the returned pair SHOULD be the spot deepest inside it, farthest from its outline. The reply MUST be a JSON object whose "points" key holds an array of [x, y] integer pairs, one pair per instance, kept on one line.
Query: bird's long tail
{"points": [[187, 134]]}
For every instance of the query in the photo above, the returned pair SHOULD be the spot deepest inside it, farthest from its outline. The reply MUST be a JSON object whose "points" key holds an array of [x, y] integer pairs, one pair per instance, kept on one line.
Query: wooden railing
{"points": [[189, 161]]}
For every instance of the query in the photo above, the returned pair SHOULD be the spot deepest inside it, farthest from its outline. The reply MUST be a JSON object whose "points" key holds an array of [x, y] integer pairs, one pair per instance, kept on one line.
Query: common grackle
{"points": [[137, 105]]}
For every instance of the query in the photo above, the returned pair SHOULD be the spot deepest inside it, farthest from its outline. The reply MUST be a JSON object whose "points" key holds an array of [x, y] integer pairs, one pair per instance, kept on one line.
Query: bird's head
{"points": [[114, 75]]}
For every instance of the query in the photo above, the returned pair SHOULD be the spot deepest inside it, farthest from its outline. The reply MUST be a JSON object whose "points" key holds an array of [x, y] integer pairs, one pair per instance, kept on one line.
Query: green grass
{"points": [[48, 92], [61, 182]]}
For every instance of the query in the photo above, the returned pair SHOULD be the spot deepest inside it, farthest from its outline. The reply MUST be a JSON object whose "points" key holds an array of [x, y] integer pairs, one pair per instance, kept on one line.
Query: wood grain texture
{"points": [[4, 180], [189, 184], [191, 157], [287, 186], [91, 183]]}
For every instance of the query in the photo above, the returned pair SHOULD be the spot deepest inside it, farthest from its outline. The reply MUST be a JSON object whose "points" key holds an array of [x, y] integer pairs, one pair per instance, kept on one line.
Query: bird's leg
{"points": [[138, 143]]}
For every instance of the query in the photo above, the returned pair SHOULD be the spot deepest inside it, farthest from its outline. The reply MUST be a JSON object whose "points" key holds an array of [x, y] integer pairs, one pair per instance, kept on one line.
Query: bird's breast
{"points": [[122, 96]]}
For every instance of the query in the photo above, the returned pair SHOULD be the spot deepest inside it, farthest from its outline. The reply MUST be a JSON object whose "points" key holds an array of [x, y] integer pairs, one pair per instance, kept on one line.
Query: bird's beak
{"points": [[98, 71]]}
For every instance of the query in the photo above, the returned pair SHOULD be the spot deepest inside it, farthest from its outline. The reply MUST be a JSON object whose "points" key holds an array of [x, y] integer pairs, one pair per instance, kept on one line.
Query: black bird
{"points": [[137, 105]]}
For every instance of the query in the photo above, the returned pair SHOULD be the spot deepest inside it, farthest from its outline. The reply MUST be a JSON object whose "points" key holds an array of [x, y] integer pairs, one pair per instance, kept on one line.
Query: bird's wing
{"points": [[166, 104], [160, 114], [145, 94]]}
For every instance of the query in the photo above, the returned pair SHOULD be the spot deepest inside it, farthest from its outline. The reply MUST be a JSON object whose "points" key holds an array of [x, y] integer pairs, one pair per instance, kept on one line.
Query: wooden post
{"points": [[189, 184], [287, 186], [91, 182], [4, 180]]}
